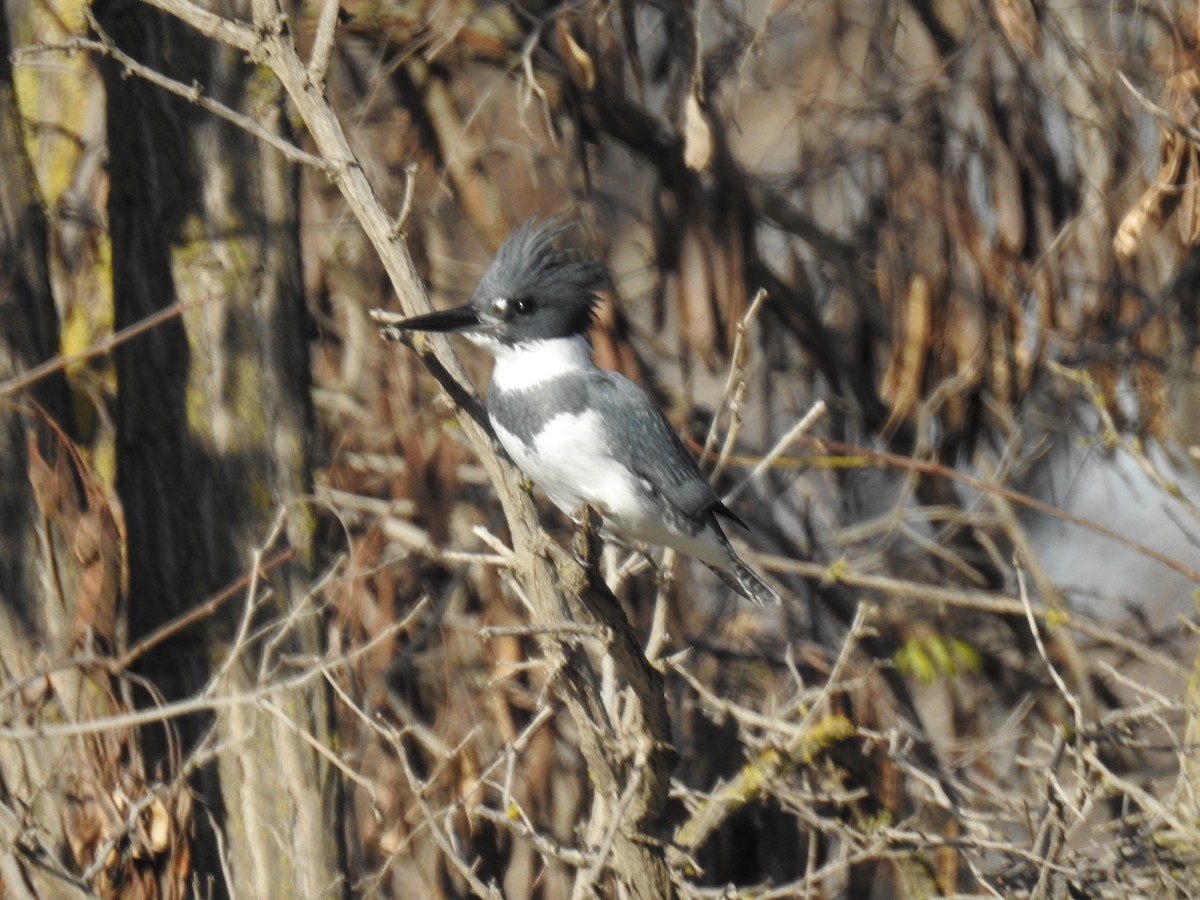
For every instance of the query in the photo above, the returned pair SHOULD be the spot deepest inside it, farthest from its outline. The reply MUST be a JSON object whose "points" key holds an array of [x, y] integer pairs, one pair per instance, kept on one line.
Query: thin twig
{"points": [[731, 394], [542, 844], [781, 446], [322, 48], [933, 468], [100, 348], [970, 599]]}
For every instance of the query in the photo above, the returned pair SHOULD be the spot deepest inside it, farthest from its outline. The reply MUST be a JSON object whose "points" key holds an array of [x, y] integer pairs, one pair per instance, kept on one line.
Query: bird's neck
{"points": [[529, 364]]}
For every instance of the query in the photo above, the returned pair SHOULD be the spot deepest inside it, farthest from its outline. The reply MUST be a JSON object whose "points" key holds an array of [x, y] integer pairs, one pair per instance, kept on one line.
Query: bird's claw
{"points": [[586, 547]]}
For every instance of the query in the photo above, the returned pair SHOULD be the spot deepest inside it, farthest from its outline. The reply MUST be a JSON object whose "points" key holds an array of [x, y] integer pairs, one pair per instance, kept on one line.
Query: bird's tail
{"points": [[746, 581]]}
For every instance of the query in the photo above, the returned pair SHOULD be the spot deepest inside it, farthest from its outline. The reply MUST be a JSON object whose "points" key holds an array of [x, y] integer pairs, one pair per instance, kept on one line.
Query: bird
{"points": [[581, 433]]}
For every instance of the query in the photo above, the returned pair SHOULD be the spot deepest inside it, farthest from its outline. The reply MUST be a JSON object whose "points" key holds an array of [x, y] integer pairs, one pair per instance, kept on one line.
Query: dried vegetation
{"points": [[974, 228]]}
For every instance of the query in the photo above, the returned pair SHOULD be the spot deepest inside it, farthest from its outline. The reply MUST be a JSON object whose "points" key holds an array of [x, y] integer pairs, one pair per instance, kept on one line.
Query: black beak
{"points": [[461, 318]]}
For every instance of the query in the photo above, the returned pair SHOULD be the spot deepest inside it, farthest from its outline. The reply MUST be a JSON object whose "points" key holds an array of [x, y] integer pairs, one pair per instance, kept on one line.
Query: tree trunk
{"points": [[41, 523], [213, 441], [28, 336]]}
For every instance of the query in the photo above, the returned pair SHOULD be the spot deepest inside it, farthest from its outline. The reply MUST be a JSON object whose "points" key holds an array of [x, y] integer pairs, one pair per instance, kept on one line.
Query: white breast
{"points": [[535, 362], [568, 462]]}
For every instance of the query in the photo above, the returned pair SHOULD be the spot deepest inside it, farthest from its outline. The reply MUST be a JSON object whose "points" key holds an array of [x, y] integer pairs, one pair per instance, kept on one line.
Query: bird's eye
{"points": [[522, 307]]}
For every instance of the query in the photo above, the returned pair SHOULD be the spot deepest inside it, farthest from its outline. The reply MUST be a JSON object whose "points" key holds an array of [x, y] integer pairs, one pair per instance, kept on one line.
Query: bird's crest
{"points": [[531, 266]]}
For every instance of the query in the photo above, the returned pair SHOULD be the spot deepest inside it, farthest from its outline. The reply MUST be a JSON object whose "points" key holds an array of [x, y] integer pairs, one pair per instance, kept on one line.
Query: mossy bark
{"points": [[213, 426], [28, 336], [38, 573]]}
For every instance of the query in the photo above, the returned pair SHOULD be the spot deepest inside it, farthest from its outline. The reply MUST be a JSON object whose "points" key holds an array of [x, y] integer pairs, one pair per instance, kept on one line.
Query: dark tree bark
{"points": [[28, 336], [213, 437]]}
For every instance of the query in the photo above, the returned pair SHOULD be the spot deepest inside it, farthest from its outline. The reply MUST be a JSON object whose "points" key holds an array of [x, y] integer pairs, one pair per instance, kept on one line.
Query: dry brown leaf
{"points": [[1129, 232], [729, 283], [579, 63], [1019, 23], [1188, 219], [1002, 378], [697, 135], [85, 824], [45, 481], [1155, 199], [695, 295], [905, 374], [1007, 197], [159, 829]]}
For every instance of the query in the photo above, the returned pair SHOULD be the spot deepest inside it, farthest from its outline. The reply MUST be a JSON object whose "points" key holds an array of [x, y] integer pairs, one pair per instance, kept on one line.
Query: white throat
{"points": [[526, 365]]}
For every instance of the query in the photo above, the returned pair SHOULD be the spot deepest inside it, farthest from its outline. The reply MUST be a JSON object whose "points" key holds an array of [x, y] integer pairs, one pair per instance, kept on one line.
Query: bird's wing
{"points": [[645, 443]]}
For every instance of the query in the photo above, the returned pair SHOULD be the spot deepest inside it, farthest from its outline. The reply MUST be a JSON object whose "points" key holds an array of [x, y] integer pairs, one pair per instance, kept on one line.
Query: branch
{"points": [[930, 467], [818, 729], [982, 601], [548, 574], [100, 348]]}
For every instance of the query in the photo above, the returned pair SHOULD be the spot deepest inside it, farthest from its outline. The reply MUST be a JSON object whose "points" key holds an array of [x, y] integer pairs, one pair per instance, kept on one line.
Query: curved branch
{"points": [[549, 575]]}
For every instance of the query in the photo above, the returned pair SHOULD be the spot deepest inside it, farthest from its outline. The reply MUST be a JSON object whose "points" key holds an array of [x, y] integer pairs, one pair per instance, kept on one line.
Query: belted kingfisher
{"points": [[583, 434]]}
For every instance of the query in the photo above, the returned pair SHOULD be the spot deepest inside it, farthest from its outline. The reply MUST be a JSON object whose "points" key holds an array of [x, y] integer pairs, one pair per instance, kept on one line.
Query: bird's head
{"points": [[531, 291]]}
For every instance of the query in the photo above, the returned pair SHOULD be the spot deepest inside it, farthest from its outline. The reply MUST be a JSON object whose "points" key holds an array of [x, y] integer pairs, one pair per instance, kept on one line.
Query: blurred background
{"points": [[969, 230]]}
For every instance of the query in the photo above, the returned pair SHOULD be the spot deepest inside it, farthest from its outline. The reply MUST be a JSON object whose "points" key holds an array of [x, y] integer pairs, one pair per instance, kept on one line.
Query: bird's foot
{"points": [[587, 544]]}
